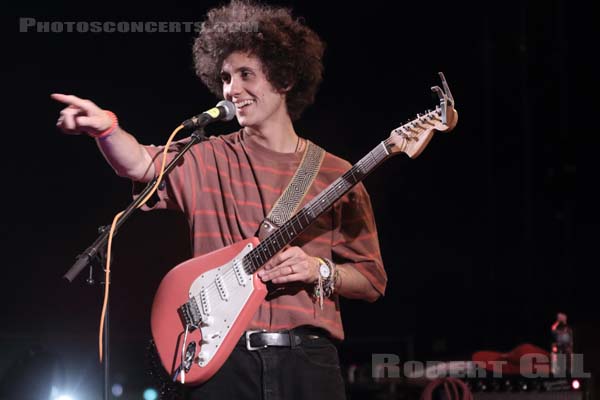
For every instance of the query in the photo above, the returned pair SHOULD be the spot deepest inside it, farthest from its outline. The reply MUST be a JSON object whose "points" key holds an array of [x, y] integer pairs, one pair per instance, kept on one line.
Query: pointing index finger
{"points": [[71, 100]]}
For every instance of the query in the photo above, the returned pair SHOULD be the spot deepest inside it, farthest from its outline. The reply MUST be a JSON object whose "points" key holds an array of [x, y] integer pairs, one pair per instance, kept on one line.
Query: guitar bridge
{"points": [[190, 314]]}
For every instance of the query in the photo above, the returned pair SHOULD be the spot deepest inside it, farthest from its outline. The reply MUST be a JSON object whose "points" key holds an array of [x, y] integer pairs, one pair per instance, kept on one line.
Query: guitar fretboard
{"points": [[293, 227]]}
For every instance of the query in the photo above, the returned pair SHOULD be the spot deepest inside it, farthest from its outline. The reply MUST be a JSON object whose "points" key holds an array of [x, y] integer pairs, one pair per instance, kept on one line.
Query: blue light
{"points": [[150, 394], [117, 390]]}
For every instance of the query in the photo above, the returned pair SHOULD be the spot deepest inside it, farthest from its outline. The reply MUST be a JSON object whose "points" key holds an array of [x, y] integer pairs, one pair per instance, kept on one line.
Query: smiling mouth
{"points": [[242, 104]]}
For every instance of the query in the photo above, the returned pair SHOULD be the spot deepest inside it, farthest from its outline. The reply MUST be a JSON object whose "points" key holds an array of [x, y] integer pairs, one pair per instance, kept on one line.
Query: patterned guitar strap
{"points": [[287, 204]]}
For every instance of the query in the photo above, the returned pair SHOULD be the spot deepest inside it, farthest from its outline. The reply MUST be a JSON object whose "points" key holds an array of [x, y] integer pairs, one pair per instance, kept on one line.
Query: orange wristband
{"points": [[110, 130]]}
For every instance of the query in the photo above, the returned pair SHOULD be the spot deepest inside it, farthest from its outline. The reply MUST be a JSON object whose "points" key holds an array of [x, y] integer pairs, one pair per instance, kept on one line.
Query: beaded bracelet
{"points": [[111, 128]]}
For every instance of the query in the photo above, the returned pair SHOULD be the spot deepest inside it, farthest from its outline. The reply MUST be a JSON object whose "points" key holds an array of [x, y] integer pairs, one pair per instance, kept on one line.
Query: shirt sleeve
{"points": [[355, 238]]}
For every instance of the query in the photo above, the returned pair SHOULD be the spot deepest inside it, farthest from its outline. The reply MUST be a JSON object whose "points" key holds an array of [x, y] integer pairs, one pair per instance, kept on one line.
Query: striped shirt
{"points": [[227, 185]]}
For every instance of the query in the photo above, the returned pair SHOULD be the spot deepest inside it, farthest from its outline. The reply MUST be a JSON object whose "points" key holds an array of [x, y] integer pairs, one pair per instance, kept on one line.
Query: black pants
{"points": [[309, 371]]}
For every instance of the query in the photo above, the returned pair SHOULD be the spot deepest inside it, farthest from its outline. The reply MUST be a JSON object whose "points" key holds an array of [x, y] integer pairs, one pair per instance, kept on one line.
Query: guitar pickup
{"points": [[220, 282], [190, 314]]}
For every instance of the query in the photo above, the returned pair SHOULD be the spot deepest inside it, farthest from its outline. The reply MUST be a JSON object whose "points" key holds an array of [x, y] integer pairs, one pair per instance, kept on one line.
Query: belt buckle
{"points": [[248, 345]]}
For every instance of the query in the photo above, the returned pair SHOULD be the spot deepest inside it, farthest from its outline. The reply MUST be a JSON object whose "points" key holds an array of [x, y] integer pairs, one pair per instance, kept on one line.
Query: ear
{"points": [[287, 88]]}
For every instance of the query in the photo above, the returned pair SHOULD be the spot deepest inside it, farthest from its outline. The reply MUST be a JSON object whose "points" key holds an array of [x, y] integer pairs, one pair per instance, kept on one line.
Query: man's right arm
{"points": [[120, 149], [127, 156]]}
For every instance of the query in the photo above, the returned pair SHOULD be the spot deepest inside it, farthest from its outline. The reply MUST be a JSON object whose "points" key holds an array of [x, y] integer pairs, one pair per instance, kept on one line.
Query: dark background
{"points": [[477, 234]]}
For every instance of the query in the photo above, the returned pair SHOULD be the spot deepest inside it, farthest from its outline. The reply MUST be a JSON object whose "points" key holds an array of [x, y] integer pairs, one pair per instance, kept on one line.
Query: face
{"points": [[246, 85]]}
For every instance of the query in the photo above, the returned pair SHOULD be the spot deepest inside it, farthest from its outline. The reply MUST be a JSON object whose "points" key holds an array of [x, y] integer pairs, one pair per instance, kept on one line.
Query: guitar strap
{"points": [[287, 204]]}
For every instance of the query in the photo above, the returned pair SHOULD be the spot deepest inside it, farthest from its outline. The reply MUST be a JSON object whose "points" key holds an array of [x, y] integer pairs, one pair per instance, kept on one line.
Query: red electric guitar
{"points": [[204, 305]]}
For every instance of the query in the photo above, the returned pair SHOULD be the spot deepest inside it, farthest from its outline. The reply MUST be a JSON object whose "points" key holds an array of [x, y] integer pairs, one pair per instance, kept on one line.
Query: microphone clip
{"points": [[199, 135]]}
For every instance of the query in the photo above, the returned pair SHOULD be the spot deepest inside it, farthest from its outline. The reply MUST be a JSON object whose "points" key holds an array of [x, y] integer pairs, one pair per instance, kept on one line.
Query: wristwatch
{"points": [[327, 277], [324, 270]]}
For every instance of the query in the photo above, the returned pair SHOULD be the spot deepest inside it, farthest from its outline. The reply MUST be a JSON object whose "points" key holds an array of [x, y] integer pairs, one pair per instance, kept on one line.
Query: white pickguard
{"points": [[221, 294]]}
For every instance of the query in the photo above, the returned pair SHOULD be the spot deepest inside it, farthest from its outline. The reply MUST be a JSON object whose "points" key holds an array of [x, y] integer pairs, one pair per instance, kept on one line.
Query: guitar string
{"points": [[330, 194], [279, 235], [336, 186], [315, 208]]}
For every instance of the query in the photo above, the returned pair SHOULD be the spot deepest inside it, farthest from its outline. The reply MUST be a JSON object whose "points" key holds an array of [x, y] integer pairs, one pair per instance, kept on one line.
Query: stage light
{"points": [[117, 390], [64, 397], [150, 394], [575, 384]]}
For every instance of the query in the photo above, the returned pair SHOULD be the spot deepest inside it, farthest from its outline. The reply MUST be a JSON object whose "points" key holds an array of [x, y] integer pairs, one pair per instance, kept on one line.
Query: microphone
{"points": [[225, 110]]}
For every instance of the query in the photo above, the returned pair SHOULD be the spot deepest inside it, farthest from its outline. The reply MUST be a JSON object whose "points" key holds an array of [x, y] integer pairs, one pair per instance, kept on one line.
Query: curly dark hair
{"points": [[290, 52]]}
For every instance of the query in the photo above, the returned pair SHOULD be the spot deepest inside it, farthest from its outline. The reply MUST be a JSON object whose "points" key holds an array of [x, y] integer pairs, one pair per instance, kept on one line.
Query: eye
{"points": [[225, 78], [245, 73]]}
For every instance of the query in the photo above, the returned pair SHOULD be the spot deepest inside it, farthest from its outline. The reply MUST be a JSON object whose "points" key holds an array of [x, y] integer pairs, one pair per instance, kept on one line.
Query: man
{"points": [[226, 186]]}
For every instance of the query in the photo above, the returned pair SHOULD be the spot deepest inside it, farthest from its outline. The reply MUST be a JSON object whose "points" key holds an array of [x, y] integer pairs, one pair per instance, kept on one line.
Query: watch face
{"points": [[324, 271]]}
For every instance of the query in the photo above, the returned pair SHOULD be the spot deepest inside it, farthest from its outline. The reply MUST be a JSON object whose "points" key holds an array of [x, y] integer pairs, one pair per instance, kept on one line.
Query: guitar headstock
{"points": [[412, 137]]}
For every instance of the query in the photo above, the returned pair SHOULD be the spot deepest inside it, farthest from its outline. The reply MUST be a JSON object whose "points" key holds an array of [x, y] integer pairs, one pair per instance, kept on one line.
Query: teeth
{"points": [[243, 103]]}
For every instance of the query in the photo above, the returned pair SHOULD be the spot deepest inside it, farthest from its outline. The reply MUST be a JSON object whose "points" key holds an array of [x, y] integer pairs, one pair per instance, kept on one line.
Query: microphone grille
{"points": [[229, 109]]}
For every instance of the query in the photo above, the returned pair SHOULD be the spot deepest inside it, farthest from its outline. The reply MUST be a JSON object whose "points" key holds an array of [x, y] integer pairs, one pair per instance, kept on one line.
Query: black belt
{"points": [[261, 339]]}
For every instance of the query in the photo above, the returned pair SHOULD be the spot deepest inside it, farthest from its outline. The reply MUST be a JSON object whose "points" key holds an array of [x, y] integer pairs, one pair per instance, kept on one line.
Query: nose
{"points": [[232, 89]]}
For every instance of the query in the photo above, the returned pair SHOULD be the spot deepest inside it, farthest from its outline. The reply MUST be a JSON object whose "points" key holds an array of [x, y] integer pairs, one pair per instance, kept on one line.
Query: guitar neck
{"points": [[291, 229]]}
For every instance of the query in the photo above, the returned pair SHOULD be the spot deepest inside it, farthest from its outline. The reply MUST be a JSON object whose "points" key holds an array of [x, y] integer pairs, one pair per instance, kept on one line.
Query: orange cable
{"points": [[111, 233]]}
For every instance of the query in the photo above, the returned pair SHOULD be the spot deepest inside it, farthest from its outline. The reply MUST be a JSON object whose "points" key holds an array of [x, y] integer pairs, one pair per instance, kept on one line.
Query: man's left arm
{"points": [[355, 250], [352, 284]]}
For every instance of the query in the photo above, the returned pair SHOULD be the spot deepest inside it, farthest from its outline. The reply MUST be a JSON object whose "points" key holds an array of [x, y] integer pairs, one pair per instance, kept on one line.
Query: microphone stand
{"points": [[96, 252]]}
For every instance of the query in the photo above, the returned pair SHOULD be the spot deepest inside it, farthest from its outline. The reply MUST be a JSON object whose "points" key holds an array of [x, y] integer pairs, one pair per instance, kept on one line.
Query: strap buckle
{"points": [[248, 345]]}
